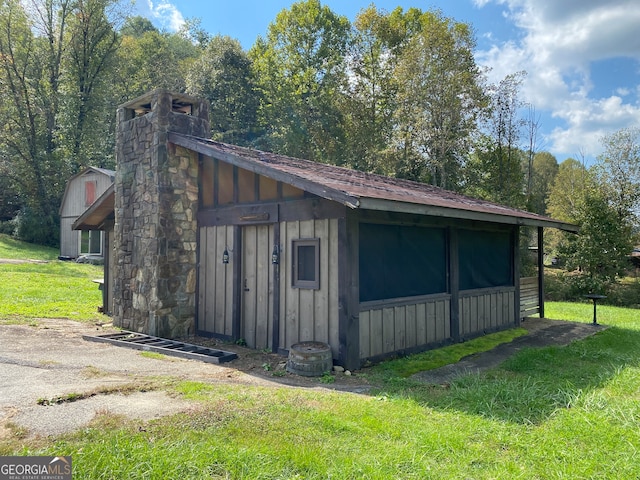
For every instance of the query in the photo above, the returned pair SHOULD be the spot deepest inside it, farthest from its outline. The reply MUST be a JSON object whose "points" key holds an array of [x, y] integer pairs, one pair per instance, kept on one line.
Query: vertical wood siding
{"points": [[306, 314], [486, 310], [215, 287], [391, 328], [257, 286]]}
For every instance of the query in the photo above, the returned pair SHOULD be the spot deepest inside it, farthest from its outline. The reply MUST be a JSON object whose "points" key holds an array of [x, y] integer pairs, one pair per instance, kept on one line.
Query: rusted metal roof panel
{"points": [[359, 189]]}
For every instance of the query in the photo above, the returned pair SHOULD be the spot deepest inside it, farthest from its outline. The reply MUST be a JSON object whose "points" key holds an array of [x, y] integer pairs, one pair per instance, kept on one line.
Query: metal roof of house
{"points": [[357, 189]]}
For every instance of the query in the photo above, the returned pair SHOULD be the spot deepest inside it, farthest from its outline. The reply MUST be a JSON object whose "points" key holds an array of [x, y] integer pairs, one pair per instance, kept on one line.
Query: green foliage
{"points": [[371, 99], [439, 98], [604, 243], [34, 226], [300, 72], [545, 168], [223, 75], [561, 286], [495, 169], [618, 171]]}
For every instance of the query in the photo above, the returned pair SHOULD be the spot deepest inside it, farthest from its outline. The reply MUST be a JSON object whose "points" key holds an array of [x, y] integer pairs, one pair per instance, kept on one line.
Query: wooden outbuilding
{"points": [[80, 193], [248, 245]]}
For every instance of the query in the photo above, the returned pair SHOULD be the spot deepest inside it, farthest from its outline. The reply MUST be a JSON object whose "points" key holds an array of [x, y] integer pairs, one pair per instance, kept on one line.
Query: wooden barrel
{"points": [[310, 359]]}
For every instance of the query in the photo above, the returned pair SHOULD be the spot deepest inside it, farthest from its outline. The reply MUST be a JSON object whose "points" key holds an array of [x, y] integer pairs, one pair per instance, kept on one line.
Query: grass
{"points": [[54, 289], [555, 412], [407, 366], [15, 249]]}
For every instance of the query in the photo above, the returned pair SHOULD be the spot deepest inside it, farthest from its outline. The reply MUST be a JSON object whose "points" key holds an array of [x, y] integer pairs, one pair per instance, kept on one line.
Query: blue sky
{"points": [[582, 56]]}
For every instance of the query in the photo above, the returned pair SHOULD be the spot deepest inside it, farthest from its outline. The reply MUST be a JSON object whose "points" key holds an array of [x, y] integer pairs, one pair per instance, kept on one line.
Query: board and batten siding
{"points": [[404, 325], [257, 293], [215, 281], [310, 314], [486, 310]]}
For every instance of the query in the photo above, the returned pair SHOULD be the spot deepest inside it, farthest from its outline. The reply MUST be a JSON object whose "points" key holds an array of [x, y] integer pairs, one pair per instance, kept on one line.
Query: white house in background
{"points": [[82, 190]]}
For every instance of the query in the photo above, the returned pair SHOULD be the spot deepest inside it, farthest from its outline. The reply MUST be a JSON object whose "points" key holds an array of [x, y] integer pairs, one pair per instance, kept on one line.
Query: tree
{"points": [[618, 170], [600, 250], [91, 47], [567, 190], [223, 75], [439, 99], [496, 168], [532, 127], [30, 85], [370, 104], [300, 71], [544, 170], [53, 54], [149, 61]]}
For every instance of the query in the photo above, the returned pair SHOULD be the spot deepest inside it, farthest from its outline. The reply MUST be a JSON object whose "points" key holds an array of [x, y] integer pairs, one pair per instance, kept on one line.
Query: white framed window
{"points": [[91, 242]]}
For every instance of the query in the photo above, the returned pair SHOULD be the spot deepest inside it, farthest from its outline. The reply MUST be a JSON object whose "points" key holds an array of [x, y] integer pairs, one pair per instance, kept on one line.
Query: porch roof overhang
{"points": [[95, 217], [362, 190]]}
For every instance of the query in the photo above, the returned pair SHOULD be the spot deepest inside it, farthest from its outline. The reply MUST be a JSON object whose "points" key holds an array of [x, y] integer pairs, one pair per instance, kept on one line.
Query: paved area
{"points": [[51, 360], [542, 333], [39, 364]]}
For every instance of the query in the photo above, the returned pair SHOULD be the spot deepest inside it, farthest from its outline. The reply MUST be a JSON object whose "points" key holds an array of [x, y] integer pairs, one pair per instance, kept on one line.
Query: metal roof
{"points": [[357, 189]]}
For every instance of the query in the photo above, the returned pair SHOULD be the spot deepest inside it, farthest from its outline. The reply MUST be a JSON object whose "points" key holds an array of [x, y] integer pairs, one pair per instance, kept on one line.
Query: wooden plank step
{"points": [[165, 346]]}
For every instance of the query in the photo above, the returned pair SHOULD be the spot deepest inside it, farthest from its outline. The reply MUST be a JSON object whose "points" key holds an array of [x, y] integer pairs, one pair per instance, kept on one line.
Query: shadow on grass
{"points": [[534, 383]]}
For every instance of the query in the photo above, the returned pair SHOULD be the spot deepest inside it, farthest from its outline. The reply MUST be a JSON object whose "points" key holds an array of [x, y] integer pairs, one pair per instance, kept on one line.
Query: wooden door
{"points": [[257, 286]]}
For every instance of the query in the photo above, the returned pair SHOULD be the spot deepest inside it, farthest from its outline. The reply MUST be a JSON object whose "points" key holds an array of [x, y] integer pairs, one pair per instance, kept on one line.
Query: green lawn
{"points": [[48, 289], [550, 413], [15, 249]]}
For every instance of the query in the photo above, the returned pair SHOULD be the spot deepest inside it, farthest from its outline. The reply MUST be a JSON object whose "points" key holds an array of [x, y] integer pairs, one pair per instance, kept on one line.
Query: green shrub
{"points": [[563, 286]]}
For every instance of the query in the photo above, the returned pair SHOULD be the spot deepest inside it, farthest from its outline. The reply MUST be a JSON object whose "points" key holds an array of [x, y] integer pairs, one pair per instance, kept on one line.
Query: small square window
{"points": [[306, 263]]}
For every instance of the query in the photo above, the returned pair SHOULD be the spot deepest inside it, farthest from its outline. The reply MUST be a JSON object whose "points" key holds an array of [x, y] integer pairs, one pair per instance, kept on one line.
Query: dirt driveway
{"points": [[44, 366]]}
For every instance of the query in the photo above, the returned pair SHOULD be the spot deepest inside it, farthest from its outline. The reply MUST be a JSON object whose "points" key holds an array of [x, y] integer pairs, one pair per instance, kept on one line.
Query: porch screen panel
{"points": [[486, 259], [401, 261]]}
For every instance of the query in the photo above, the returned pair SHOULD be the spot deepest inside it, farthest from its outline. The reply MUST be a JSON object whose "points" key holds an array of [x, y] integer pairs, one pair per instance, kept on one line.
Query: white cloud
{"points": [[162, 13], [560, 43], [588, 121]]}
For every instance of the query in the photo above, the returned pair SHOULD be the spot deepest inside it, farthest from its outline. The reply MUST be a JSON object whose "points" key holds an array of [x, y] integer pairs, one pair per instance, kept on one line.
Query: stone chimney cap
{"points": [[144, 101]]}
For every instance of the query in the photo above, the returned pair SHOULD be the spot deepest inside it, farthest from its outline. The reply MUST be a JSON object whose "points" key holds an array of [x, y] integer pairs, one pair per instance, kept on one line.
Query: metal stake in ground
{"points": [[595, 299]]}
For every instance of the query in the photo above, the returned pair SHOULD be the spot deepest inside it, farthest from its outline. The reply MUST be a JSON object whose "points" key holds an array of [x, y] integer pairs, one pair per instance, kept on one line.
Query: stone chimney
{"points": [[156, 206]]}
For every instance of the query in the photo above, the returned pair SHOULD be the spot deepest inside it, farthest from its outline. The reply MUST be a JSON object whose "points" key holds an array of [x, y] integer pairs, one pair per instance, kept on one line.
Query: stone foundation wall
{"points": [[156, 205]]}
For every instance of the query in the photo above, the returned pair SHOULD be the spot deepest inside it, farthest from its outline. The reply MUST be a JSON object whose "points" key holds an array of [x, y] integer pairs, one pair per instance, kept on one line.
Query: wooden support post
{"points": [[454, 284], [541, 271], [275, 339]]}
